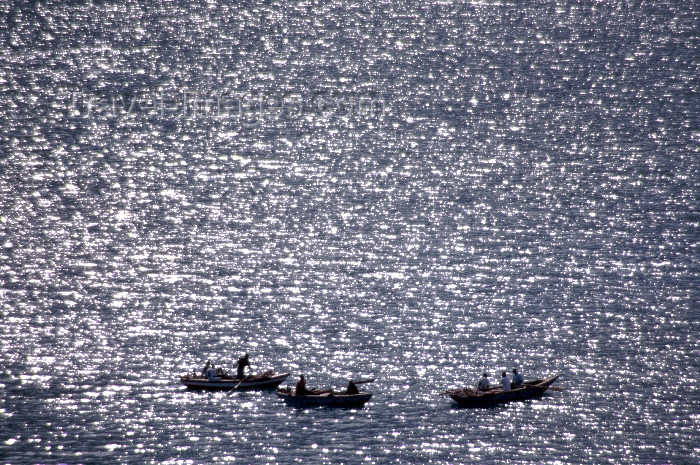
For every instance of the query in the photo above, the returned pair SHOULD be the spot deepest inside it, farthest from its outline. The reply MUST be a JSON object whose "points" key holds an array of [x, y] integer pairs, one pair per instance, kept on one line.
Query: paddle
{"points": [[556, 388], [236, 386]]}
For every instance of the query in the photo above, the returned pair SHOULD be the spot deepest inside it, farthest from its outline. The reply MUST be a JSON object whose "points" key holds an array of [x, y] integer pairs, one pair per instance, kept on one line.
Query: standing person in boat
{"points": [[483, 384], [518, 379], [206, 367], [242, 363], [301, 387], [505, 382]]}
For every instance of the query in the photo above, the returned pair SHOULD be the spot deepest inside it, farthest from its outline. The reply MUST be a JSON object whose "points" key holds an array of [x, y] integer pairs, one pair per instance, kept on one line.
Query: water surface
{"points": [[416, 193]]}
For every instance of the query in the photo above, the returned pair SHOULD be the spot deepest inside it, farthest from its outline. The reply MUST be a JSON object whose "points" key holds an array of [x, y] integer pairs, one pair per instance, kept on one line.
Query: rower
{"points": [[483, 384], [352, 388], [242, 363], [518, 379], [505, 382], [301, 387]]}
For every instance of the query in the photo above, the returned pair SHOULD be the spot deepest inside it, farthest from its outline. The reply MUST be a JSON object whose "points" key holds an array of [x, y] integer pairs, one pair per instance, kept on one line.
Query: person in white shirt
{"points": [[518, 379], [211, 373], [483, 384], [206, 367], [505, 382]]}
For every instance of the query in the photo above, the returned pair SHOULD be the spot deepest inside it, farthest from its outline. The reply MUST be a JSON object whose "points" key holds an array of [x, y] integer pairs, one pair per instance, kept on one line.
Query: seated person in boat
{"points": [[242, 363], [518, 379], [505, 382], [483, 384], [301, 387], [352, 388], [211, 373]]}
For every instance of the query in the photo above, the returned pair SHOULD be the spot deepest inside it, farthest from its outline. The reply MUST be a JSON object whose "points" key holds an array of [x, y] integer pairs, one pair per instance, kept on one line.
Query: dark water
{"points": [[413, 192]]}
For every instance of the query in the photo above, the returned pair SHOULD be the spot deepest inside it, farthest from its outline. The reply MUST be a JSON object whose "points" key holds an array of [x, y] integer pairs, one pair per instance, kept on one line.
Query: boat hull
{"points": [[266, 382], [490, 398], [326, 400]]}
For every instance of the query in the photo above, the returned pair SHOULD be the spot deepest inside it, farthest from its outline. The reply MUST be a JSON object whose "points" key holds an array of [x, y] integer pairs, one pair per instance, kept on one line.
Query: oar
{"points": [[236, 386], [363, 381], [538, 381]]}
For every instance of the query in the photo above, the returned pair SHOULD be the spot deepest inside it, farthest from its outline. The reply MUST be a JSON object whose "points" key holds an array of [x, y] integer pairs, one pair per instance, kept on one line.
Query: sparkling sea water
{"points": [[412, 191]]}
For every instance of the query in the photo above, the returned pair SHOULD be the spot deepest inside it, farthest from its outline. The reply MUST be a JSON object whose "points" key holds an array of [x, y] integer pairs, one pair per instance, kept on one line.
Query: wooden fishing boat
{"points": [[324, 398], [266, 380], [474, 398]]}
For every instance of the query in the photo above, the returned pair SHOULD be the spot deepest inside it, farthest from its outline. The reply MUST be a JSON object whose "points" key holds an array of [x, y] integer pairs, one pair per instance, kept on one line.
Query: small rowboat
{"points": [[473, 398], [267, 380], [324, 398]]}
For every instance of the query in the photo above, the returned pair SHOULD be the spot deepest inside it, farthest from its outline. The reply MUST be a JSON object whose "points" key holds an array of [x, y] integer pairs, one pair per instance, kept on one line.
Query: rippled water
{"points": [[415, 193]]}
